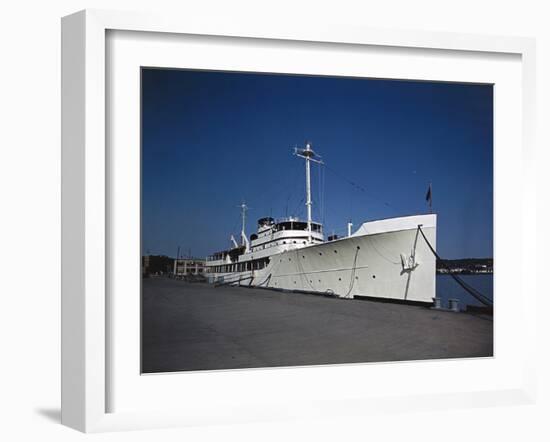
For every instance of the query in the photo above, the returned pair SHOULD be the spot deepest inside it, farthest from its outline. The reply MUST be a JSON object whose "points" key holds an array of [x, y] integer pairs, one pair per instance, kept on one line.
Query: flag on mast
{"points": [[429, 196]]}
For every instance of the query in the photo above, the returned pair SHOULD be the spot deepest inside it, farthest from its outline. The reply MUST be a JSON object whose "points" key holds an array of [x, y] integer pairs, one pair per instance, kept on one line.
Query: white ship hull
{"points": [[382, 259]]}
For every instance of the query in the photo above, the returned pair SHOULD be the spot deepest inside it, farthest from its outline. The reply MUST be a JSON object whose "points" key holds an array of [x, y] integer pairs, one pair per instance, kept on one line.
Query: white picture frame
{"points": [[86, 200]]}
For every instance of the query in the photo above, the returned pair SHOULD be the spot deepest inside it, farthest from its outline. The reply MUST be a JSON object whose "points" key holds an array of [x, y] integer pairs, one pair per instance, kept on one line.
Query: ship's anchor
{"points": [[408, 263]]}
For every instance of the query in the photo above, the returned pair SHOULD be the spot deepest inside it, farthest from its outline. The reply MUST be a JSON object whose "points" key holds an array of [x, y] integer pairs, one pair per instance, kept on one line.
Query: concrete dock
{"points": [[196, 326]]}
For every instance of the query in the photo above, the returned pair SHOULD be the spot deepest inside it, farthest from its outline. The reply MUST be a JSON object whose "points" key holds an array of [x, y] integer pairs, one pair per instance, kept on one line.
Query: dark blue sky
{"points": [[212, 139]]}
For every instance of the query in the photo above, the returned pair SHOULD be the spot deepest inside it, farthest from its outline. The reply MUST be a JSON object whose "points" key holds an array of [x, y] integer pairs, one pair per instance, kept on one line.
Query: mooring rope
{"points": [[267, 280], [354, 267], [219, 284], [303, 272], [472, 291]]}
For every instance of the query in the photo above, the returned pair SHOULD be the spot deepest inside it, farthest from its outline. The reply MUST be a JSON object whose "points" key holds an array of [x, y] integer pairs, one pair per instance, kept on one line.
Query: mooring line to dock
{"points": [[472, 291], [303, 272], [352, 279], [219, 284], [267, 280]]}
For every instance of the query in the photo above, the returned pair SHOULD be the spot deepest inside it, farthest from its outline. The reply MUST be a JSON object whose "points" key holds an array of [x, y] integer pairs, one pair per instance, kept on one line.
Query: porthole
{"points": [[373, 276], [310, 281], [320, 254], [336, 251], [358, 248], [319, 280], [339, 279], [357, 277], [289, 259]]}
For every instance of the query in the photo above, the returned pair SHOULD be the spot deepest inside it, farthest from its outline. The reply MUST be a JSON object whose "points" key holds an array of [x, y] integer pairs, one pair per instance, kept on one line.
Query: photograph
{"points": [[292, 220]]}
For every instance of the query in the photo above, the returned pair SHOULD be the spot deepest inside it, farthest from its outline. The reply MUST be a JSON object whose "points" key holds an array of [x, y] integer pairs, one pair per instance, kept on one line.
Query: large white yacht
{"points": [[387, 258]]}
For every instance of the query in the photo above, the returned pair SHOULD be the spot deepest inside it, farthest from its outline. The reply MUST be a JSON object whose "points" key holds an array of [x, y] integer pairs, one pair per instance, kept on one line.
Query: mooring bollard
{"points": [[453, 305], [437, 303]]}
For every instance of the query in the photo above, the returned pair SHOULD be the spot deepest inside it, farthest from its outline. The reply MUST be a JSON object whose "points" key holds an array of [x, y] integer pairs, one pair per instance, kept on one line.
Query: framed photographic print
{"points": [[300, 221]]}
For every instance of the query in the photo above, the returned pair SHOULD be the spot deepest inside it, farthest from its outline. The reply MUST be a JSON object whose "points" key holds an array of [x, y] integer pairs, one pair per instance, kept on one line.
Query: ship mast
{"points": [[244, 239], [309, 155]]}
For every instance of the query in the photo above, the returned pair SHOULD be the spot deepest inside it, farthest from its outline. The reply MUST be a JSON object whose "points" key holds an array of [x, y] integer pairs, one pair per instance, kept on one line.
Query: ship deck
{"points": [[196, 326]]}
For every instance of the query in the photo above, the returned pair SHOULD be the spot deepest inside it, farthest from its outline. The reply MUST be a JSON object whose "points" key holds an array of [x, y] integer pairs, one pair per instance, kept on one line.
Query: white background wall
{"points": [[30, 215]]}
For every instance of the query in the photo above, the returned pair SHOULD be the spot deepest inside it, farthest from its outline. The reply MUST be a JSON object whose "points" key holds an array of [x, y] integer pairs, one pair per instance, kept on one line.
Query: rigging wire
{"points": [[293, 185], [297, 212], [234, 228], [350, 204], [358, 187], [322, 186], [321, 193]]}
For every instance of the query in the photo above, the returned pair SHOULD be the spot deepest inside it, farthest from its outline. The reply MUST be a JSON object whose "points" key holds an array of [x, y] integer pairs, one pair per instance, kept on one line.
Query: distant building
{"points": [[156, 265], [145, 265], [188, 266]]}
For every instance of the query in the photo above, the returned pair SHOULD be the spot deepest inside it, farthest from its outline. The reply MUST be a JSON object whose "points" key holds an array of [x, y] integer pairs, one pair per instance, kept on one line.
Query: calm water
{"points": [[447, 287]]}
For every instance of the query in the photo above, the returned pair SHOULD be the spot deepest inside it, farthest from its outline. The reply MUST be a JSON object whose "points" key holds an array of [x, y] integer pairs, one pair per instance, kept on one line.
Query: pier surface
{"points": [[196, 326]]}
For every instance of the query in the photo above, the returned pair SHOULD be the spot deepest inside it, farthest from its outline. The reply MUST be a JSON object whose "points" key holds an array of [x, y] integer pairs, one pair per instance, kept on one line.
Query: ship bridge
{"points": [[289, 232]]}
